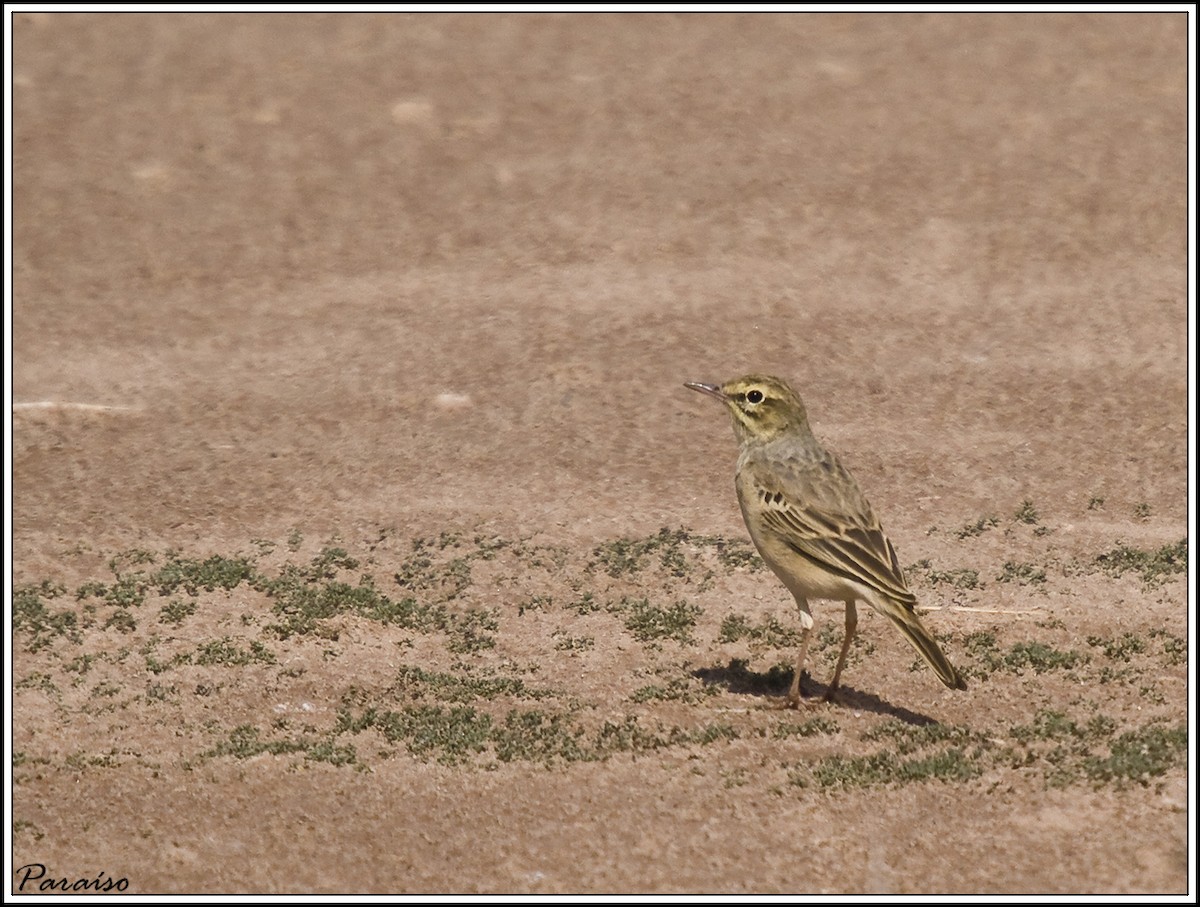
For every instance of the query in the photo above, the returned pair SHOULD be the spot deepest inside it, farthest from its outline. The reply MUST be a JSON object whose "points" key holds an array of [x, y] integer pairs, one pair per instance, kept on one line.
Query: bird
{"points": [[812, 524]]}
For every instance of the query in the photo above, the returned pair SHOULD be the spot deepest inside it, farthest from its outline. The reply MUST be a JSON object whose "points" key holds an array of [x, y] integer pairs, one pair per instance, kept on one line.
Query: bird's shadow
{"points": [[736, 677]]}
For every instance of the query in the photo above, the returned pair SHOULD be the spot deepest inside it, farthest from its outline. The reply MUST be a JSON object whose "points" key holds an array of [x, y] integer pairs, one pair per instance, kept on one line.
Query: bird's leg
{"points": [[806, 625], [851, 626]]}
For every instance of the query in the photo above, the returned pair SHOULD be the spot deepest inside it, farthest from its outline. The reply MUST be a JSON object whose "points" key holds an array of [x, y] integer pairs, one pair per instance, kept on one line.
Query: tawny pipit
{"points": [[812, 525]]}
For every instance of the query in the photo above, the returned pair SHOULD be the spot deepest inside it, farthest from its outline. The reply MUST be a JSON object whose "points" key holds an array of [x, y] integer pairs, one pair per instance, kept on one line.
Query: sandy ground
{"points": [[351, 281]]}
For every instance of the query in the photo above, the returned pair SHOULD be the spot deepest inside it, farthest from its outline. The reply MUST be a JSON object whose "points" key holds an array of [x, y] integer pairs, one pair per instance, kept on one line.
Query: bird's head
{"points": [[763, 407]]}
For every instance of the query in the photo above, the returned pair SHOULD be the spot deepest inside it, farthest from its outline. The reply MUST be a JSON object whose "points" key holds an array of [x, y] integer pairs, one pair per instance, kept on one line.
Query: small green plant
{"points": [[1051, 725], [127, 591], [30, 615], [105, 689], [471, 631], [1036, 656], [626, 555], [1155, 567], [1142, 511], [1027, 513], [157, 692], [192, 576], [1022, 573], [677, 551], [676, 690], [1138, 756], [566, 643], [829, 643], [586, 604], [132, 557], [1173, 647], [736, 554], [980, 526], [1070, 751], [885, 768], [1122, 649], [962, 578], [224, 652], [769, 632], [811, 728], [1095, 502], [24, 826], [79, 761], [1040, 657], [39, 680], [245, 742], [306, 597], [122, 621], [904, 738], [649, 623], [81, 664], [621, 556], [534, 603], [418, 683], [176, 611], [462, 734]]}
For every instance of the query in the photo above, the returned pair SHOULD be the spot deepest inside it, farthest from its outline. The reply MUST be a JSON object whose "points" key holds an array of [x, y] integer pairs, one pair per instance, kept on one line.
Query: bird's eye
{"points": [[754, 397]]}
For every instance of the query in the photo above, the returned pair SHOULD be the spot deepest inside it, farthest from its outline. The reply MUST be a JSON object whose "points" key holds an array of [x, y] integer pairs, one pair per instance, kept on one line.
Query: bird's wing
{"points": [[816, 509]]}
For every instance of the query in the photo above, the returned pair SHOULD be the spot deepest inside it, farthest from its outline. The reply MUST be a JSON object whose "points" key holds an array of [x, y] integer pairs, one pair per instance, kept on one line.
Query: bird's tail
{"points": [[922, 640]]}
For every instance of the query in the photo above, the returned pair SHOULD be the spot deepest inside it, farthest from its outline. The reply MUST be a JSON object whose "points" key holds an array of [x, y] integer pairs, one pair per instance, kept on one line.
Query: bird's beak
{"points": [[711, 389]]}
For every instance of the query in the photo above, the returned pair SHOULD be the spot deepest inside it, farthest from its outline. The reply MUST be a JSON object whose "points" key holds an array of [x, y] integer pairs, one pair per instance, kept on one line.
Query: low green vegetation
{"points": [[962, 578], [121, 621], [676, 690], [769, 632], [1155, 567], [1174, 648], [43, 626], [1022, 573], [1060, 749], [193, 576], [223, 652], [176, 611], [677, 552], [888, 768], [980, 526], [459, 734], [1071, 751], [649, 623], [813, 727], [987, 657], [1118, 649], [905, 739], [1140, 755], [627, 555], [1026, 513], [567, 643], [471, 691], [910, 753], [419, 684], [245, 741]]}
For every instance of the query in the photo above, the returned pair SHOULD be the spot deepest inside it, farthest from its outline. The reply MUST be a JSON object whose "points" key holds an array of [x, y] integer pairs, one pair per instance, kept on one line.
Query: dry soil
{"points": [[399, 559]]}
